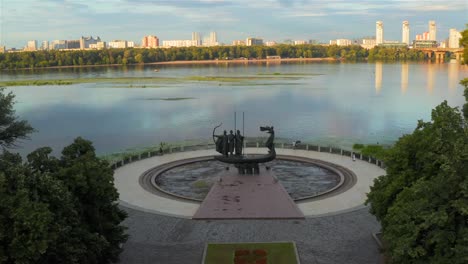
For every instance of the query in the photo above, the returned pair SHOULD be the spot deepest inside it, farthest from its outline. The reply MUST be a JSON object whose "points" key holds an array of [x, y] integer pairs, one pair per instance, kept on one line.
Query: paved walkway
{"points": [[248, 197], [134, 196], [343, 238]]}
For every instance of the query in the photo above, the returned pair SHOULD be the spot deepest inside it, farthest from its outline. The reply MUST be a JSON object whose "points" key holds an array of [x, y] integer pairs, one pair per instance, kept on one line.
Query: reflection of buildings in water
{"points": [[430, 77], [273, 62], [404, 77], [378, 77], [453, 76]]}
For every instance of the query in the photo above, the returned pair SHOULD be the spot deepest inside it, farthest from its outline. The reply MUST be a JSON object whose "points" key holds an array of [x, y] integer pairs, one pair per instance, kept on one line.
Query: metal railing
{"points": [[250, 144]]}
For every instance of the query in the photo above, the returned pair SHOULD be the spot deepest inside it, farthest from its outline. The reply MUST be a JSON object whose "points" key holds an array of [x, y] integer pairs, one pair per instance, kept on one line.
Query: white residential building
{"points": [[212, 40], [454, 39], [344, 42], [58, 44], [432, 30], [45, 45], [405, 33], [118, 44], [368, 43], [300, 42], [32, 45], [197, 37], [379, 33], [179, 43], [253, 41], [99, 45]]}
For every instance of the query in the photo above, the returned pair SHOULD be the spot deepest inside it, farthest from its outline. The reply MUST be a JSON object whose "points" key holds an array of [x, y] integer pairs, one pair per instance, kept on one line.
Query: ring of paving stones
{"points": [[304, 179]]}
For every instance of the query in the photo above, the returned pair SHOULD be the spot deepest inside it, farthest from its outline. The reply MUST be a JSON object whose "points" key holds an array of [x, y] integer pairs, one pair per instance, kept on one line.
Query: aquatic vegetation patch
{"points": [[235, 78], [169, 99], [289, 74]]}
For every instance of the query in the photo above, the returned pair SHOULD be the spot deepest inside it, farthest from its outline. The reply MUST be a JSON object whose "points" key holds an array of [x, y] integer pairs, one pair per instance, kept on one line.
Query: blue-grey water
{"points": [[300, 179], [328, 103]]}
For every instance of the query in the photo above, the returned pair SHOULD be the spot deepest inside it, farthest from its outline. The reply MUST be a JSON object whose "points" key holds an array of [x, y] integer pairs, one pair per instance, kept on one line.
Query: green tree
{"points": [[464, 82], [11, 129], [57, 210], [91, 182], [422, 202], [464, 43]]}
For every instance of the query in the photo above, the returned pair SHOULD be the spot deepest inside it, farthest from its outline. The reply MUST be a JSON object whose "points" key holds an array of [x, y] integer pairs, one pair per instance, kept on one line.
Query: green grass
{"points": [[277, 253], [127, 80], [36, 82], [235, 78], [144, 82]]}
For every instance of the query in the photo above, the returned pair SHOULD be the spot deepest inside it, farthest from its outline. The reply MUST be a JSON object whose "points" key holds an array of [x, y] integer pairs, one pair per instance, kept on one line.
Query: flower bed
{"points": [[251, 253]]}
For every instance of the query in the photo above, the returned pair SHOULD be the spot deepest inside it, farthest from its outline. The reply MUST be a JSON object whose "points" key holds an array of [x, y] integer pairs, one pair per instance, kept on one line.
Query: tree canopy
{"points": [[422, 202], [56, 210], [59, 210], [53, 58], [11, 129]]}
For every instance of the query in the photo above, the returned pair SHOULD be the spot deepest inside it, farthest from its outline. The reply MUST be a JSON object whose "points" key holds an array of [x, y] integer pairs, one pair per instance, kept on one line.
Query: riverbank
{"points": [[244, 61], [188, 62]]}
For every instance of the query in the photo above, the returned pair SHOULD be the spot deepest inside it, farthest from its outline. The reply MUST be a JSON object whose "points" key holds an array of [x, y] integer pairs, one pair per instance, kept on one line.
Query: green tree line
{"points": [[52, 58]]}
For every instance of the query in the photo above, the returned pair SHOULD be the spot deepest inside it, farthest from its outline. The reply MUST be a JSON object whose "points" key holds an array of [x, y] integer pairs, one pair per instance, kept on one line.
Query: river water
{"points": [[326, 103]]}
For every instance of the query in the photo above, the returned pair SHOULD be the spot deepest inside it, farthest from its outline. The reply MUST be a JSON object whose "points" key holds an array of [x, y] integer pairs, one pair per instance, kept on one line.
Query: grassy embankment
{"points": [[139, 82], [121, 155]]}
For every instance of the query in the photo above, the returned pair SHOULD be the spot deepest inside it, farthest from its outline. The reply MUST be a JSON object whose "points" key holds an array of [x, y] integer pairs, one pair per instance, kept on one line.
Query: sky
{"points": [[272, 20]]}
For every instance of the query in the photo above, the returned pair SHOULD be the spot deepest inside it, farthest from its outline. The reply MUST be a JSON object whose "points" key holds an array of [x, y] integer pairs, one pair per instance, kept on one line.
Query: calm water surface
{"points": [[327, 103]]}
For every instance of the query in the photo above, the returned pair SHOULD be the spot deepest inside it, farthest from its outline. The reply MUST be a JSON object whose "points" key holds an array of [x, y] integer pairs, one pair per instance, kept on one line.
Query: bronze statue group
{"points": [[229, 144]]}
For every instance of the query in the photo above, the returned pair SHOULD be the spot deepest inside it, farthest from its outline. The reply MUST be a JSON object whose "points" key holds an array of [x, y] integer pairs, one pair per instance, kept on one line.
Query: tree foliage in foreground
{"points": [[55, 210], [422, 202], [59, 210], [11, 129]]}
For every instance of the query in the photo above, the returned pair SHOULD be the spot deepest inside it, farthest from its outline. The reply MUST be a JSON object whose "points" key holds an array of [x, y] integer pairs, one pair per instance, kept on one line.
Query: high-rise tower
{"points": [[405, 33], [213, 37], [197, 37], [432, 30], [454, 38], [379, 33]]}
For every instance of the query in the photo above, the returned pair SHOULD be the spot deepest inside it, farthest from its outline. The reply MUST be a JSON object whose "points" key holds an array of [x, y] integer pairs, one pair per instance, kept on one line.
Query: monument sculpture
{"points": [[230, 147]]}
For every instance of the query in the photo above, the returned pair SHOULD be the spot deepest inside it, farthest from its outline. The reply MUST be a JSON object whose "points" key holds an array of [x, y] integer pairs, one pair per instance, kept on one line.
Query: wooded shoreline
{"points": [[190, 62]]}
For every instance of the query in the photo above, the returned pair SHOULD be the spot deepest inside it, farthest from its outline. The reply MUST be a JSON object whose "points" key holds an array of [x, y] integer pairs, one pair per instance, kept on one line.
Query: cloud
{"points": [[184, 3], [305, 14]]}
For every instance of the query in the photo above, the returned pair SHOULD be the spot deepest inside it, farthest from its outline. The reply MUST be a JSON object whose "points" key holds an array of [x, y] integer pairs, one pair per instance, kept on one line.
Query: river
{"points": [[326, 103]]}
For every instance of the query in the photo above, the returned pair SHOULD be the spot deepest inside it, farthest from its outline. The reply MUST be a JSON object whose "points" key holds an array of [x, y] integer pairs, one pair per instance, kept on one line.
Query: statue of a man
{"points": [[222, 143], [231, 140], [239, 143]]}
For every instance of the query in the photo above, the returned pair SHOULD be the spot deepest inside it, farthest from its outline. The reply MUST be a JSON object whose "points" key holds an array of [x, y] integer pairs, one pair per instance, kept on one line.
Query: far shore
{"points": [[191, 62], [234, 61]]}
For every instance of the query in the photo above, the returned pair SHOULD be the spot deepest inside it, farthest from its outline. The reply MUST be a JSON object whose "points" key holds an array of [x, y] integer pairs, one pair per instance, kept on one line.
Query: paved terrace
{"points": [[134, 196], [336, 230]]}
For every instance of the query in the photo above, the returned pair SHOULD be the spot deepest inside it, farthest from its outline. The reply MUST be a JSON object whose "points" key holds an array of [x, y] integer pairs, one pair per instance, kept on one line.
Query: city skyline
{"points": [[268, 19]]}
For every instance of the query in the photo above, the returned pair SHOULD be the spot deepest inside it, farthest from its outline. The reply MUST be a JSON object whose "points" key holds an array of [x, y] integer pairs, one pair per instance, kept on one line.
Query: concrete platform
{"points": [[133, 195], [248, 197]]}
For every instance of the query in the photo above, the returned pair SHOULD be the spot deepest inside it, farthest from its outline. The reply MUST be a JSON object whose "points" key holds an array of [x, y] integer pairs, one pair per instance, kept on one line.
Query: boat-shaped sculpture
{"points": [[230, 146], [247, 158]]}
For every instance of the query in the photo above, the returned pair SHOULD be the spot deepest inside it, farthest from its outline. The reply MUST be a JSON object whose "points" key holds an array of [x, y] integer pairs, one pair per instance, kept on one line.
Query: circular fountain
{"points": [[304, 179]]}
